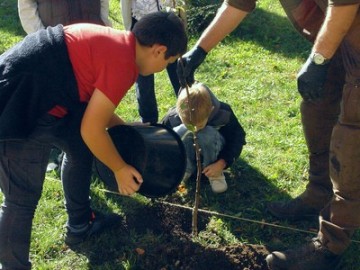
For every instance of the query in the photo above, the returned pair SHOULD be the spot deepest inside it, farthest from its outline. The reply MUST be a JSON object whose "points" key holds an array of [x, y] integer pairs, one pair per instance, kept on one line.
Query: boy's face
{"points": [[156, 61]]}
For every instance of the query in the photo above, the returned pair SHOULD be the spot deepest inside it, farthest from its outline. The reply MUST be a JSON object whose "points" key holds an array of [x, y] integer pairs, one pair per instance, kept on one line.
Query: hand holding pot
{"points": [[128, 180]]}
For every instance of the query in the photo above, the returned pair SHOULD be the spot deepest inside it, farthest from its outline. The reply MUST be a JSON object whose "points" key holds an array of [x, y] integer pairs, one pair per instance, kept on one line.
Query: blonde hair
{"points": [[195, 108]]}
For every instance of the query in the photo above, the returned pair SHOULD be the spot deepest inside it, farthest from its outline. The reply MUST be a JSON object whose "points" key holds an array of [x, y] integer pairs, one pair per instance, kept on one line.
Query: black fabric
{"points": [[227, 124], [35, 75]]}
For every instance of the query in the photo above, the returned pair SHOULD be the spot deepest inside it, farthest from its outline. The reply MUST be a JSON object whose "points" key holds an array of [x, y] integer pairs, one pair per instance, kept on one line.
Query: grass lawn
{"points": [[253, 70]]}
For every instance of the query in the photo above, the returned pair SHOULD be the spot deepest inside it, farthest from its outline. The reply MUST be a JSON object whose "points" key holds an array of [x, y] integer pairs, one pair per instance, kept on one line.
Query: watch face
{"points": [[318, 59]]}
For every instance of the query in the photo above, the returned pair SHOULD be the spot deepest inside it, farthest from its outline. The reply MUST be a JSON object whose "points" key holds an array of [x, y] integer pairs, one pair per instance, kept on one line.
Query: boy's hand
{"points": [[188, 63], [215, 168], [128, 179]]}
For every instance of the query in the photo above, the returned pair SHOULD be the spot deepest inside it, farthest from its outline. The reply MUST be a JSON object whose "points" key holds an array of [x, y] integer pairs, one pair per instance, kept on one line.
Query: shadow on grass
{"points": [[273, 32]]}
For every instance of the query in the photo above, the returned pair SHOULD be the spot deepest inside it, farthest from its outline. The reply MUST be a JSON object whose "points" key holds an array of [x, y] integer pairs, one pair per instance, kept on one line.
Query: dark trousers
{"points": [[145, 92], [22, 171], [332, 132], [341, 217]]}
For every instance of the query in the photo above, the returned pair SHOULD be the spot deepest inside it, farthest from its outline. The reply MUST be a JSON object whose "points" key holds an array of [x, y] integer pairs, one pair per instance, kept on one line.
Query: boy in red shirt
{"points": [[60, 86]]}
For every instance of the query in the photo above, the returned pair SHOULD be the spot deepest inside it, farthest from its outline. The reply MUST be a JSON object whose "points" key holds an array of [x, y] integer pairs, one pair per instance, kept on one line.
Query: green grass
{"points": [[254, 70]]}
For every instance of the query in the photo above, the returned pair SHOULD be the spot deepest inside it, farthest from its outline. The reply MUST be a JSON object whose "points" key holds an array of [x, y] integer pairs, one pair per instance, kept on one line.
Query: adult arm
{"points": [[104, 12], [98, 116], [312, 76], [29, 16], [226, 20], [337, 23]]}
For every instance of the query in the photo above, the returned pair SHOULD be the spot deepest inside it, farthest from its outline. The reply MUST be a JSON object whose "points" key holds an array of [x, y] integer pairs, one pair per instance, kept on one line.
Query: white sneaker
{"points": [[218, 183]]}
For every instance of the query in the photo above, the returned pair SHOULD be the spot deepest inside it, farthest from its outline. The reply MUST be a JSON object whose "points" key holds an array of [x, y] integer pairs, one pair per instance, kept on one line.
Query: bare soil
{"points": [[178, 251]]}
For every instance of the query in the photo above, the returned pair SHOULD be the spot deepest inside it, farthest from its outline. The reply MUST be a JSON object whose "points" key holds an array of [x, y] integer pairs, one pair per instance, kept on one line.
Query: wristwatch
{"points": [[319, 59]]}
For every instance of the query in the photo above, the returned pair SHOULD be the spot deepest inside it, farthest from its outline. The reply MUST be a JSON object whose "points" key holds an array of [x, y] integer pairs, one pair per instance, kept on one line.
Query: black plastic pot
{"points": [[155, 151]]}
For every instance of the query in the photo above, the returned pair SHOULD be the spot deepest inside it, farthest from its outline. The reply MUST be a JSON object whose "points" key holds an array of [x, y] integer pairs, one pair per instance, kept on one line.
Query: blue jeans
{"points": [[145, 93], [22, 171], [210, 141]]}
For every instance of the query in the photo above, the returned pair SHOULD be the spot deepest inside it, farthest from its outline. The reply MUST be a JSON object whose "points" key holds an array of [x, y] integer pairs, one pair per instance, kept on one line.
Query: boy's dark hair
{"points": [[164, 28]]}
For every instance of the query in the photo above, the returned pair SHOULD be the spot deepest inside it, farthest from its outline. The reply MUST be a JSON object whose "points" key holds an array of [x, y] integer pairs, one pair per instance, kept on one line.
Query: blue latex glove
{"points": [[187, 65], [311, 80]]}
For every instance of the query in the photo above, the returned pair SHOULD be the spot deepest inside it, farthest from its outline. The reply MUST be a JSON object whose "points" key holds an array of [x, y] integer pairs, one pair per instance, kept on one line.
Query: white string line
{"points": [[261, 222]]}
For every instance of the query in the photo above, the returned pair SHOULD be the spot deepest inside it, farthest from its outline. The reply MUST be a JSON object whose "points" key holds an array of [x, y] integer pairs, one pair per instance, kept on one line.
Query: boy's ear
{"points": [[159, 49]]}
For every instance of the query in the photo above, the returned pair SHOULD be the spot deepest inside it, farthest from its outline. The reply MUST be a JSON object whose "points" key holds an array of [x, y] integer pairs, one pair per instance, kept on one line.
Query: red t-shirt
{"points": [[102, 58]]}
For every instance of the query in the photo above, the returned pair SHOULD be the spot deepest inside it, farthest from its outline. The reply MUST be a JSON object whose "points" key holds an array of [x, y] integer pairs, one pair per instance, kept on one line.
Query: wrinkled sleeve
{"points": [[245, 5], [343, 2]]}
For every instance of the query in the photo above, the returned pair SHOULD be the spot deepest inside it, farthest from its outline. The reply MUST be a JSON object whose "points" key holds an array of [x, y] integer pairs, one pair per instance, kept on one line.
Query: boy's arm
{"points": [[234, 136], [115, 121], [29, 16], [97, 117]]}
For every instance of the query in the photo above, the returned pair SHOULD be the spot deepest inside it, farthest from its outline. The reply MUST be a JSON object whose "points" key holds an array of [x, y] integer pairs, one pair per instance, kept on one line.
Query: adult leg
{"points": [[145, 94], [318, 119], [22, 172], [171, 70], [341, 218]]}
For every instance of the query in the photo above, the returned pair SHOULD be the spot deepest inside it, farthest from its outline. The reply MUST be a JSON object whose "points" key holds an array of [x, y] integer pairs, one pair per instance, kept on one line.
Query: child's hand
{"points": [[214, 169], [128, 179]]}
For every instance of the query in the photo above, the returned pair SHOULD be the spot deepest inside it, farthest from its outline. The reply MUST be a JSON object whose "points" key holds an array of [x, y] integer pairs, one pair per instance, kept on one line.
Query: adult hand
{"points": [[311, 80], [187, 64], [128, 179]]}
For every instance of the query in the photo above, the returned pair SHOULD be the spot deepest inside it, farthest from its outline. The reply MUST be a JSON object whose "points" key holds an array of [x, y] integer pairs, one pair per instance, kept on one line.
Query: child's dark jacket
{"points": [[35, 75], [225, 121]]}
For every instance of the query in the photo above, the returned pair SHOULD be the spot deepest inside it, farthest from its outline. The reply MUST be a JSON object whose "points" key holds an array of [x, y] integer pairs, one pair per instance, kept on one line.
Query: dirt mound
{"points": [[178, 251]]}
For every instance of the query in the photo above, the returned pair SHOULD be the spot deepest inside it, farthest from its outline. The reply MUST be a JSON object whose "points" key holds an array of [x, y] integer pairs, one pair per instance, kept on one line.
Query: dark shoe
{"points": [[311, 256], [293, 210], [98, 223]]}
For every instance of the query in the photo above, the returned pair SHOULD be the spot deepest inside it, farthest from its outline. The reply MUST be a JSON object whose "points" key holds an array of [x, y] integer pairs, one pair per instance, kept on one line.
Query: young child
{"points": [[60, 86], [220, 135]]}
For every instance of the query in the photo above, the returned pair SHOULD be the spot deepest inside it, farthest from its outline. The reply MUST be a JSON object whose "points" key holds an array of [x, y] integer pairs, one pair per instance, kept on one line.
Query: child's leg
{"points": [[211, 143], [188, 141], [22, 171]]}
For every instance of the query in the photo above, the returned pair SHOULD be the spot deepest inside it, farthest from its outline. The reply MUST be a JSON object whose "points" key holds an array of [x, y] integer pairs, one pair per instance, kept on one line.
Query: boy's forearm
{"points": [[115, 121]]}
